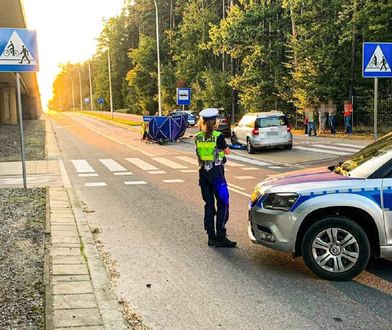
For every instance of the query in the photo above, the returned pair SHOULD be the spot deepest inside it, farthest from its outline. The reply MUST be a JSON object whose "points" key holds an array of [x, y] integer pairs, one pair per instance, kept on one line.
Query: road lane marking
{"points": [[323, 151], [239, 192], [156, 172], [233, 164], [141, 164], [112, 165], [123, 173], [95, 184], [332, 147], [170, 163], [188, 171], [135, 183], [82, 166], [248, 160], [350, 146], [88, 175], [237, 187], [189, 160], [275, 167], [173, 181], [244, 177], [250, 168]]}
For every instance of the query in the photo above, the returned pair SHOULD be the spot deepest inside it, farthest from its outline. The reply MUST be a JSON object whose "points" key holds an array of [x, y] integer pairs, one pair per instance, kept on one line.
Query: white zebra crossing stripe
{"points": [[189, 160], [248, 160], [95, 184], [332, 147], [244, 177], [156, 172], [141, 164], [173, 181], [233, 164], [188, 171], [323, 151], [275, 167], [170, 163], [112, 165], [135, 183], [123, 173], [249, 168], [82, 166], [88, 175], [350, 146]]}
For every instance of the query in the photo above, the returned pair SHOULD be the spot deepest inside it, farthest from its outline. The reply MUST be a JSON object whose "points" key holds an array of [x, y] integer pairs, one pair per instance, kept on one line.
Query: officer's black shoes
{"points": [[224, 242], [211, 240]]}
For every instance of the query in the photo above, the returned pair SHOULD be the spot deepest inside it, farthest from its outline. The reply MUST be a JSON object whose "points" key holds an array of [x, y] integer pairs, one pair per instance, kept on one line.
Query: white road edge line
{"points": [[234, 186], [239, 192]]}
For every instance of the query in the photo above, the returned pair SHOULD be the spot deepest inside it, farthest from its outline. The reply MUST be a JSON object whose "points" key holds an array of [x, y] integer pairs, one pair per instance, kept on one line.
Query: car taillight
{"points": [[255, 131], [288, 128]]}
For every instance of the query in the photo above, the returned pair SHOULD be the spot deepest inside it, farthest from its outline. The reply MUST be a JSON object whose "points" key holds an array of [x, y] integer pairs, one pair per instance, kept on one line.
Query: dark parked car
{"points": [[223, 123], [190, 117]]}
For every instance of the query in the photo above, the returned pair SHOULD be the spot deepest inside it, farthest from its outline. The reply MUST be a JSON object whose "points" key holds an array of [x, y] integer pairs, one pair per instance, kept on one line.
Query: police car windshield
{"points": [[271, 121], [368, 160]]}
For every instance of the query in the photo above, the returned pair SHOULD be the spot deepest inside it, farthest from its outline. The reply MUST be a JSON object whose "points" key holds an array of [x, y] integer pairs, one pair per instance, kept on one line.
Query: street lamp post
{"points": [[110, 83], [91, 88], [73, 93], [158, 61], [80, 89]]}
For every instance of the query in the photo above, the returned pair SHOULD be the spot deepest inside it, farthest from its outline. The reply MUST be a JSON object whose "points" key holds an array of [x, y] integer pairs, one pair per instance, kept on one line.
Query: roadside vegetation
{"points": [[257, 55], [108, 117], [22, 225]]}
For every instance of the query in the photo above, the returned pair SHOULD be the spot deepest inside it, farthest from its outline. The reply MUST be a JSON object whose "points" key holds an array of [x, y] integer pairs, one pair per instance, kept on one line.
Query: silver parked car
{"points": [[336, 217], [263, 130]]}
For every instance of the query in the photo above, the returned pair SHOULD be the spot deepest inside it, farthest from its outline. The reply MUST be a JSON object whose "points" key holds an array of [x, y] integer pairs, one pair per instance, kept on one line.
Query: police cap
{"points": [[209, 114]]}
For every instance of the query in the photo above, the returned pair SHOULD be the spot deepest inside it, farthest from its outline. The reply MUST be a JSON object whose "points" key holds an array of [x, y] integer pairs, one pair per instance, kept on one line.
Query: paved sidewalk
{"points": [[78, 293]]}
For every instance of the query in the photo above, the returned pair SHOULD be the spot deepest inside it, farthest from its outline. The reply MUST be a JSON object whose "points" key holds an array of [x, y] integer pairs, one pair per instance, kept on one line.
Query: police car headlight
{"points": [[280, 201], [256, 194]]}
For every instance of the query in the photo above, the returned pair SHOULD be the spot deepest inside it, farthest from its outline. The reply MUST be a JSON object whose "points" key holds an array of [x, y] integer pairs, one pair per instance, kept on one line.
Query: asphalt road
{"points": [[152, 228]]}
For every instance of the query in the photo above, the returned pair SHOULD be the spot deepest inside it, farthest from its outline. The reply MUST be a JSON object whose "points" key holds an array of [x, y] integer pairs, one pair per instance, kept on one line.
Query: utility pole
{"points": [[91, 88], [110, 83], [80, 89], [158, 60]]}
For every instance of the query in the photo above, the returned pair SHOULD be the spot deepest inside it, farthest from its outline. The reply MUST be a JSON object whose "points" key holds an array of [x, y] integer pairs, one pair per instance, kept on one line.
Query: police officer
{"points": [[211, 149]]}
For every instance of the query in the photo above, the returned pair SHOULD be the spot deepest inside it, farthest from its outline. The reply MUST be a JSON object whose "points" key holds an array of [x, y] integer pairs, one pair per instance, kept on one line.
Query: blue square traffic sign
{"points": [[377, 60], [183, 96]]}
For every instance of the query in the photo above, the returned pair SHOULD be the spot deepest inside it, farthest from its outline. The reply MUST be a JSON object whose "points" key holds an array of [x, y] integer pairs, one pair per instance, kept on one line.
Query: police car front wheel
{"points": [[336, 248]]}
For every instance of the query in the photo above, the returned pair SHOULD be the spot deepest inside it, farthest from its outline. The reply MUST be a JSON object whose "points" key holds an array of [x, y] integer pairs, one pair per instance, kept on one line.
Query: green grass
{"points": [[108, 117]]}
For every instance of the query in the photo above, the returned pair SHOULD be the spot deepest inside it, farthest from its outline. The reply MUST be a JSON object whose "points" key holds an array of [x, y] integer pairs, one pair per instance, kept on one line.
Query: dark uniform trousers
{"points": [[213, 186]]}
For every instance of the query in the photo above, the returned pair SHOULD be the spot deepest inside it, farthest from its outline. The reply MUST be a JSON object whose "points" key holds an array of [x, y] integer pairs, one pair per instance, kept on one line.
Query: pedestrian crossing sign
{"points": [[18, 50], [377, 60]]}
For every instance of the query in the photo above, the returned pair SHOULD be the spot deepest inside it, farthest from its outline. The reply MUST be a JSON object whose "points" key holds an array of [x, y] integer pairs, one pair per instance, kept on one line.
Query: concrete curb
{"points": [[78, 292]]}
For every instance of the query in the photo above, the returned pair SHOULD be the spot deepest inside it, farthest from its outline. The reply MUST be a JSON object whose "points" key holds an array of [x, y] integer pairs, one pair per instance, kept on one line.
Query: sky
{"points": [[66, 32]]}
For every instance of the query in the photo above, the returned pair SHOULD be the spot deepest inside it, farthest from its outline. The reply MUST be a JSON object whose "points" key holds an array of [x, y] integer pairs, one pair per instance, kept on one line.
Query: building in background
{"points": [[12, 16]]}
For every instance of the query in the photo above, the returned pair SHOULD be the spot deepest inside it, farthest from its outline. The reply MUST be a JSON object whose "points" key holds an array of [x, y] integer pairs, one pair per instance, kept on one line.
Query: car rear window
{"points": [[222, 113], [271, 121]]}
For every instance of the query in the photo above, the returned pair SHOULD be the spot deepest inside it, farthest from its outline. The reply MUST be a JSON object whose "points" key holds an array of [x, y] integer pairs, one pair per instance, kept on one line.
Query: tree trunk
{"points": [[353, 51]]}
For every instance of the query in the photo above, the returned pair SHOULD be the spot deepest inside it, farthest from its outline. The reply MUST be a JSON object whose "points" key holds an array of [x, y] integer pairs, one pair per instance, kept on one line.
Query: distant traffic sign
{"points": [[101, 100], [377, 60], [183, 96], [18, 50]]}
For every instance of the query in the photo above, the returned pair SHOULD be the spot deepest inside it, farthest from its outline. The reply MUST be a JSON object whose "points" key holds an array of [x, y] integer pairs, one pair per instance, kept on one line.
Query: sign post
{"points": [[376, 63], [19, 53], [183, 97]]}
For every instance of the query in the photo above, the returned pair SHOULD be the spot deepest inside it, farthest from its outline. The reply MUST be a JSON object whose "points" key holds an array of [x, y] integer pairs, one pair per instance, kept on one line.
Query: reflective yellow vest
{"points": [[207, 150]]}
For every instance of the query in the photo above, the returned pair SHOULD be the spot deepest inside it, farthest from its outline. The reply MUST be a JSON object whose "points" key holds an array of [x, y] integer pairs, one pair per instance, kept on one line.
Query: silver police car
{"points": [[336, 218]]}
